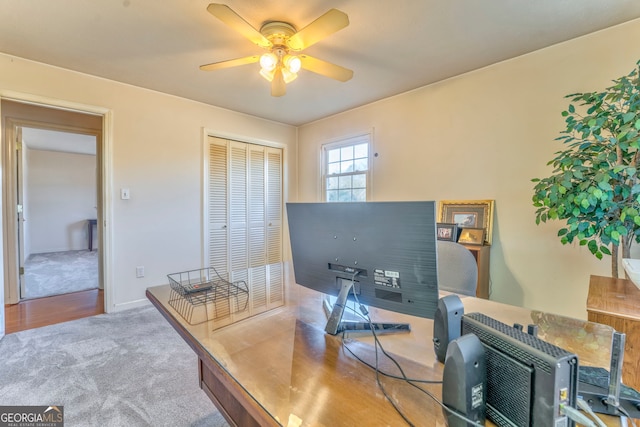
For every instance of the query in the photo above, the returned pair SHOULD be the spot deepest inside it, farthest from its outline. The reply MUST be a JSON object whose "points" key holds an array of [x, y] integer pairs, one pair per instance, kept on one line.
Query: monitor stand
{"points": [[336, 324]]}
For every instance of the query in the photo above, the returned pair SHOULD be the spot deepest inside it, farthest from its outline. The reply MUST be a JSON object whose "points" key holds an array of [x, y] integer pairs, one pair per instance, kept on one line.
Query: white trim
{"points": [[107, 175], [130, 305], [347, 140], [241, 138], [107, 207], [204, 198], [54, 102]]}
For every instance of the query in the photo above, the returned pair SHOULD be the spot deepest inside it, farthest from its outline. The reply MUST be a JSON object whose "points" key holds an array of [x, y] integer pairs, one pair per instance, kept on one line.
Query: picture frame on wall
{"points": [[468, 214], [447, 231], [472, 236]]}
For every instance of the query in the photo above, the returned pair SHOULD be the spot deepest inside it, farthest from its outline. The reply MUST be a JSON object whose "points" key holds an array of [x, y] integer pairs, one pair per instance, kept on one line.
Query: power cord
{"points": [[378, 344]]}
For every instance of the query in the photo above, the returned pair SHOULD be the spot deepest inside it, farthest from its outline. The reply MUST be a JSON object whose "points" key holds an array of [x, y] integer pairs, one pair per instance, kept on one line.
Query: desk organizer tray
{"points": [[202, 295]]}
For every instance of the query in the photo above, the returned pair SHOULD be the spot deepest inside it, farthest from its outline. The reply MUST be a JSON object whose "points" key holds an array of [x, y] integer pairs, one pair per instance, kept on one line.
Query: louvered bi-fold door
{"points": [[274, 227], [218, 243], [246, 243]]}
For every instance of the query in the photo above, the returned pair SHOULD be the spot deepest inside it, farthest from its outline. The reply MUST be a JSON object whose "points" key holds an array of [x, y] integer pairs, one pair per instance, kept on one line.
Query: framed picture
{"points": [[447, 231], [472, 236], [468, 214]]}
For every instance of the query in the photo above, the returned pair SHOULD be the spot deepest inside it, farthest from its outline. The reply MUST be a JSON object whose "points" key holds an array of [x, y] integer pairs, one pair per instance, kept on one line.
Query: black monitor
{"points": [[385, 252]]}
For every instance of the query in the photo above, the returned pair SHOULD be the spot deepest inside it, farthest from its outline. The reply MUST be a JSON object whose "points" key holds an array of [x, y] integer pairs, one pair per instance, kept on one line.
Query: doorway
{"points": [[52, 161], [57, 212]]}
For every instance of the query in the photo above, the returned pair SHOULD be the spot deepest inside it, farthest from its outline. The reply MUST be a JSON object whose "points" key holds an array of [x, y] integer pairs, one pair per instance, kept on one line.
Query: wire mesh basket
{"points": [[202, 295]]}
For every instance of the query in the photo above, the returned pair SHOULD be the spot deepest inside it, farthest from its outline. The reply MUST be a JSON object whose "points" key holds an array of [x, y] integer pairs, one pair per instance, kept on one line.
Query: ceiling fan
{"points": [[280, 64]]}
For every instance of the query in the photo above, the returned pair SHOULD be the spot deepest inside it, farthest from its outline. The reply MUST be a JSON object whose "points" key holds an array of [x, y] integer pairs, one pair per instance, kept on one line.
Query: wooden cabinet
{"points": [[616, 302], [481, 254]]}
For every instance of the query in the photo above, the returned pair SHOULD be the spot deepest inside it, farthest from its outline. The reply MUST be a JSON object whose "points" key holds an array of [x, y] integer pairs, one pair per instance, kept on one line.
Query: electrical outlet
{"points": [[140, 271]]}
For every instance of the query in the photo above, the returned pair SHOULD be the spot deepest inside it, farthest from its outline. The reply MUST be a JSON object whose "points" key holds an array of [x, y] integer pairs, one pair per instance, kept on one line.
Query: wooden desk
{"points": [[280, 368], [616, 302]]}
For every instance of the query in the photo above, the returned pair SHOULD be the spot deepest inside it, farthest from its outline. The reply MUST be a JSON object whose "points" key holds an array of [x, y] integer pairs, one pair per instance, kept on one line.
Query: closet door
{"points": [[245, 242], [217, 198], [257, 229], [238, 205], [274, 227]]}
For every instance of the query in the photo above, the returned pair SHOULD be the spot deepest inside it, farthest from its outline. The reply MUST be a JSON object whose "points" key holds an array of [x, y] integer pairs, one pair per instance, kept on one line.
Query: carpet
{"points": [[124, 369], [55, 273]]}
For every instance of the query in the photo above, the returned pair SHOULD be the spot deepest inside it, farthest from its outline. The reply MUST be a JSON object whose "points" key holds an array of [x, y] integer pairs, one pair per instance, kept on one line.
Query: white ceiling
{"points": [[51, 140], [392, 46]]}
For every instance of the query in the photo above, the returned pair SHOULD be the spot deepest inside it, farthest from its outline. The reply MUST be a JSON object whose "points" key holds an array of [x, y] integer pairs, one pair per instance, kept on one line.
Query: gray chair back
{"points": [[457, 268]]}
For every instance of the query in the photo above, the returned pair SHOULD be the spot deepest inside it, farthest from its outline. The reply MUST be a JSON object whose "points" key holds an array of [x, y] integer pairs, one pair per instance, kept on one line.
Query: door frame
{"points": [[15, 156], [105, 208]]}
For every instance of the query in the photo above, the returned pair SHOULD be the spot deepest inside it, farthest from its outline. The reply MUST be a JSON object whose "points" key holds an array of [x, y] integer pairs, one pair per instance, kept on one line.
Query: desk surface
{"points": [[290, 373]]}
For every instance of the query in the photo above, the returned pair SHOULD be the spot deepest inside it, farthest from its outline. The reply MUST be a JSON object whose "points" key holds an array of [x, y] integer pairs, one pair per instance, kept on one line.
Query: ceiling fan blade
{"points": [[278, 86], [325, 25], [235, 21], [325, 68], [230, 63]]}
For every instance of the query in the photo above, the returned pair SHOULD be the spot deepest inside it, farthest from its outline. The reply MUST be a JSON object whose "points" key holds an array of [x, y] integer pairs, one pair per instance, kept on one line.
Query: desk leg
{"points": [[90, 236]]}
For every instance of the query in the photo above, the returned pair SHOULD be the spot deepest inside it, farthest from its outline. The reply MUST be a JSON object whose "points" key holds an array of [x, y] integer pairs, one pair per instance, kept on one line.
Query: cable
{"points": [[576, 415], [380, 386], [404, 377], [386, 374], [626, 414], [445, 407], [586, 408], [410, 381]]}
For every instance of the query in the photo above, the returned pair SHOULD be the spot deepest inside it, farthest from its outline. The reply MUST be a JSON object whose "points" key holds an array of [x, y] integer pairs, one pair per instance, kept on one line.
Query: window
{"points": [[346, 169]]}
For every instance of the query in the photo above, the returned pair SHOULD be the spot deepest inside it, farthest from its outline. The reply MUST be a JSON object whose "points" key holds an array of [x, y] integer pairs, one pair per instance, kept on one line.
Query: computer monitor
{"points": [[385, 252]]}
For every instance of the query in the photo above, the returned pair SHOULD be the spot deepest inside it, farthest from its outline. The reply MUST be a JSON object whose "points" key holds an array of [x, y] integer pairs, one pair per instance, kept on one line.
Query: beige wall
{"points": [[485, 135], [482, 135], [60, 196], [157, 154]]}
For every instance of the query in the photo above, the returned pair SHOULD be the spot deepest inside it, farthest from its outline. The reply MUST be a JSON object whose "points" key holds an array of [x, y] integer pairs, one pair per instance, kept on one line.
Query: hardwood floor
{"points": [[39, 312]]}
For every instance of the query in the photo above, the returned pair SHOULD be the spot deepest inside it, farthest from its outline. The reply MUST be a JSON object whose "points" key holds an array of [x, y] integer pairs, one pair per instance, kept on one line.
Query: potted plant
{"points": [[595, 187]]}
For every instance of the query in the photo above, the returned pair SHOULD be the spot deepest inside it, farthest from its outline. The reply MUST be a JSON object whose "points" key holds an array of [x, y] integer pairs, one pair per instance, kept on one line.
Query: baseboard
{"points": [[130, 304]]}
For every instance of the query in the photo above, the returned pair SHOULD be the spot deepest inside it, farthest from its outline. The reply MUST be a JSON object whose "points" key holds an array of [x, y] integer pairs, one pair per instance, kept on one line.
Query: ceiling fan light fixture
{"points": [[268, 61], [292, 63], [279, 38], [287, 75], [268, 75]]}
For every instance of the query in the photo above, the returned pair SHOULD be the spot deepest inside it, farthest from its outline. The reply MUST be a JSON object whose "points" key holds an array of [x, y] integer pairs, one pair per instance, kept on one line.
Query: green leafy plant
{"points": [[595, 184]]}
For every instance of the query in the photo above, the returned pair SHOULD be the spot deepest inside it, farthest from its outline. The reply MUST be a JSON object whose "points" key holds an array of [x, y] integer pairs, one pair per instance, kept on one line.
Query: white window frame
{"points": [[352, 140]]}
